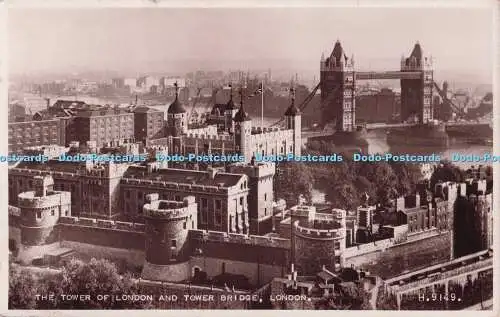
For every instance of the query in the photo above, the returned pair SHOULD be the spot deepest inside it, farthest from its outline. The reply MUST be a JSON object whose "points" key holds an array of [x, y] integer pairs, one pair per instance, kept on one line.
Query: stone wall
{"points": [[393, 260], [104, 233], [133, 257], [257, 274]]}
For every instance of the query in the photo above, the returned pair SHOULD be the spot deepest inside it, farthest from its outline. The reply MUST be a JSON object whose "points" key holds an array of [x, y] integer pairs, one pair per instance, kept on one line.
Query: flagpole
{"points": [[262, 105]]}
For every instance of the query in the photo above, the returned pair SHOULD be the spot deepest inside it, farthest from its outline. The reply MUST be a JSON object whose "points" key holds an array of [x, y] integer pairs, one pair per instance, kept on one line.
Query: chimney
{"points": [[48, 103]]}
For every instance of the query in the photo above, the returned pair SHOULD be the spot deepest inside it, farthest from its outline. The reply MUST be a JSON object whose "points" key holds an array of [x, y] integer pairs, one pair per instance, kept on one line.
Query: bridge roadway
{"points": [[387, 75], [374, 126]]}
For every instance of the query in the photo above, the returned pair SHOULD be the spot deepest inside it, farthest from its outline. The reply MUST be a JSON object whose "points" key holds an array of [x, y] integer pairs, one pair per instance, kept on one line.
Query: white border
{"points": [[495, 6]]}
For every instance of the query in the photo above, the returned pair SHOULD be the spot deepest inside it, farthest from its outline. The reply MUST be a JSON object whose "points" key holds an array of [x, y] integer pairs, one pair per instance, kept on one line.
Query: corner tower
{"points": [[242, 131], [167, 228], [229, 112], [40, 212], [338, 90], [416, 94], [293, 122], [177, 122]]}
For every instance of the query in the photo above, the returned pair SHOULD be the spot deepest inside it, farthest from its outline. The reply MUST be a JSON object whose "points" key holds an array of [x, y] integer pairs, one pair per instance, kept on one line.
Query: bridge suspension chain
{"points": [[445, 98], [302, 105]]}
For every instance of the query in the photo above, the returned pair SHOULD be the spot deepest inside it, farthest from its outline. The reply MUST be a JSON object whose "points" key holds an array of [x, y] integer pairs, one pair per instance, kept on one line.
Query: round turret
{"points": [[177, 119], [40, 211], [176, 107], [321, 238], [167, 228]]}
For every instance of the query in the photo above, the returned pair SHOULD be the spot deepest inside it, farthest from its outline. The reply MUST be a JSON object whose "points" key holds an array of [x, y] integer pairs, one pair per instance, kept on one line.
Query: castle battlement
{"points": [[99, 223], [369, 247], [215, 236], [259, 169], [170, 210], [265, 129], [220, 137], [31, 200], [312, 233], [175, 186], [96, 171], [275, 135]]}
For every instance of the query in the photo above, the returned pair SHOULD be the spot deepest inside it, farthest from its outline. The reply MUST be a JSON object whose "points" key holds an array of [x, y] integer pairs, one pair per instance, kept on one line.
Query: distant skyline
{"points": [[142, 40]]}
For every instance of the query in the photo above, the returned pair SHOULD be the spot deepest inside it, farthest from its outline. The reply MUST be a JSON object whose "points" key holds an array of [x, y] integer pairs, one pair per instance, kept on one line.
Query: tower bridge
{"points": [[338, 79], [338, 82]]}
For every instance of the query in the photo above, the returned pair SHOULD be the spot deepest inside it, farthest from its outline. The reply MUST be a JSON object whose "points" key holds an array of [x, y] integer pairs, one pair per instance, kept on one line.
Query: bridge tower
{"points": [[416, 94], [338, 90]]}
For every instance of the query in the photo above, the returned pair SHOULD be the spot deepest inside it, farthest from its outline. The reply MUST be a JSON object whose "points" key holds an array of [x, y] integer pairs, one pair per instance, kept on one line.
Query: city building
{"points": [[179, 205], [473, 218], [103, 126], [222, 197], [94, 187], [35, 133], [231, 131], [148, 124]]}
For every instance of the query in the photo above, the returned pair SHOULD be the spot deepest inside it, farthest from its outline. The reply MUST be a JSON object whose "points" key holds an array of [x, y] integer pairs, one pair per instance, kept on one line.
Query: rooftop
{"points": [[182, 176]]}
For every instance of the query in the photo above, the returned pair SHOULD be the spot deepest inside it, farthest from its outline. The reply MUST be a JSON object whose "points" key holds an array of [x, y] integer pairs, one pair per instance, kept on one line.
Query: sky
{"points": [[143, 40]]}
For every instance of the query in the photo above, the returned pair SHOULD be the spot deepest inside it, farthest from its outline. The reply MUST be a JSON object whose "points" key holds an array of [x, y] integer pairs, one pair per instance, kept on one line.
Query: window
{"points": [[204, 203], [39, 214], [174, 243], [184, 225], [178, 198], [265, 197], [241, 201], [218, 204], [218, 217], [52, 212], [265, 211]]}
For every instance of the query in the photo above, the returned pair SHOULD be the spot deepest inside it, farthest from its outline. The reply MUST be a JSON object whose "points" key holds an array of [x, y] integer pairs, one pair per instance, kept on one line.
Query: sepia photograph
{"points": [[257, 158]]}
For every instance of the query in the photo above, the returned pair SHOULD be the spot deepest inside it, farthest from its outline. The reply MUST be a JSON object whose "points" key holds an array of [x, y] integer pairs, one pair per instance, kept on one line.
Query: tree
{"points": [[292, 180], [345, 196], [408, 176], [386, 301], [22, 289], [351, 296], [447, 172], [93, 278]]}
